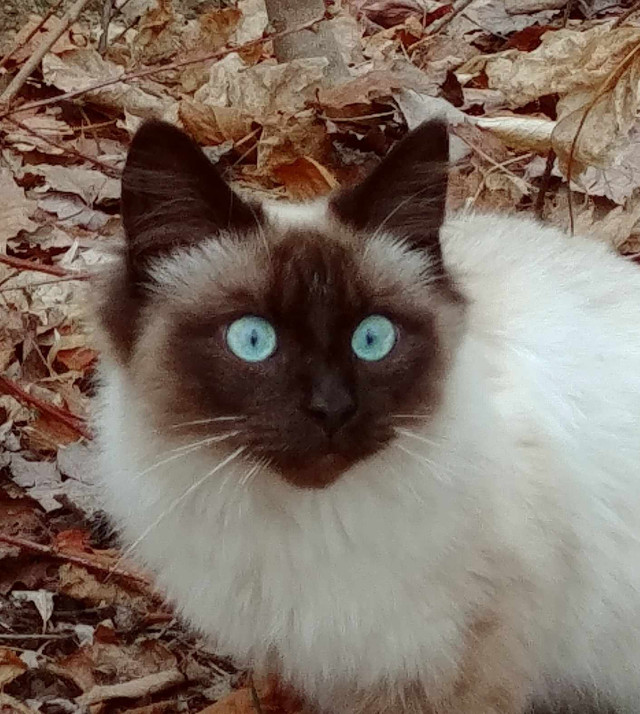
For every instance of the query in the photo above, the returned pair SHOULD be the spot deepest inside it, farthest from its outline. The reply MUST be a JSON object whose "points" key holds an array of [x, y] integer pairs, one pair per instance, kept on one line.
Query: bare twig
{"points": [[149, 71], [87, 563], [35, 30], [107, 6], [64, 416], [544, 185], [105, 168], [57, 270], [623, 18], [133, 689], [438, 25], [16, 83], [567, 12]]}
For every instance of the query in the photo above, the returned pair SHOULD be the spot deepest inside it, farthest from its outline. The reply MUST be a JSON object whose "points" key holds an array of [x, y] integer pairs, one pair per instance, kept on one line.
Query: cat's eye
{"points": [[374, 338], [252, 338]]}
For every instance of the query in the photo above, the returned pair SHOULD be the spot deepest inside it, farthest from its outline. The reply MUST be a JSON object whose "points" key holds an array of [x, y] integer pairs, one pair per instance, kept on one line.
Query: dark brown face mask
{"points": [[311, 364]]}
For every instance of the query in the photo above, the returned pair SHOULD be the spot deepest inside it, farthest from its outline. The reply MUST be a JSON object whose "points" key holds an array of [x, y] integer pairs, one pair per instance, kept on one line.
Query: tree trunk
{"points": [[319, 42]]}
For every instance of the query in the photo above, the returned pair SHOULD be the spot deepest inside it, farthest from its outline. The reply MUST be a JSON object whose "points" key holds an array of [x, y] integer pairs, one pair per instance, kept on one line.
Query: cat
{"points": [[389, 454]]}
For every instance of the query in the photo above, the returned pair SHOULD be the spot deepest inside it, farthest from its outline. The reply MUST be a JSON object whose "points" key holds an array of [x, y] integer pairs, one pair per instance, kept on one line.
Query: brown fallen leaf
{"points": [[71, 39], [305, 178], [81, 69], [11, 666], [274, 699], [15, 209], [210, 125], [264, 90]]}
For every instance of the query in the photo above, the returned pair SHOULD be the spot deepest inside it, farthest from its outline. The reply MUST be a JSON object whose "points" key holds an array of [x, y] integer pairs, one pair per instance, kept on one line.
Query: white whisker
{"points": [[197, 422], [180, 451], [411, 416], [434, 469], [419, 437], [175, 504]]}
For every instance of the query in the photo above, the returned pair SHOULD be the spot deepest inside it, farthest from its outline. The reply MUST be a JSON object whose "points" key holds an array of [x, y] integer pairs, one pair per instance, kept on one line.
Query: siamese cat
{"points": [[389, 454]]}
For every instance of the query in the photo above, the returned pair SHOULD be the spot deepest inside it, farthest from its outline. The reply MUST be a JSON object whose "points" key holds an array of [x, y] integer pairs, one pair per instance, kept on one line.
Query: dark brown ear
{"points": [[405, 195], [172, 196]]}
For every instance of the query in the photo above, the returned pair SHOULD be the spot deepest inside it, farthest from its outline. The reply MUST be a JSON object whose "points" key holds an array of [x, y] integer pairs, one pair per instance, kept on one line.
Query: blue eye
{"points": [[251, 338], [374, 338]]}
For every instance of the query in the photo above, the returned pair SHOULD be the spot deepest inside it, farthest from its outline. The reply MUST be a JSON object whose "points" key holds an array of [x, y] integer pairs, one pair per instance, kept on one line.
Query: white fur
{"points": [[527, 483]]}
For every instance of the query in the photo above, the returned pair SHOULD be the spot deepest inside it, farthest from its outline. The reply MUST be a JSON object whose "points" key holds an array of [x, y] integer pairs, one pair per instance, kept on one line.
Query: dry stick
{"points": [[623, 18], [106, 168], [64, 416], [16, 83], [607, 85], [436, 26], [58, 271], [36, 29], [106, 19], [544, 185], [68, 558], [139, 74]]}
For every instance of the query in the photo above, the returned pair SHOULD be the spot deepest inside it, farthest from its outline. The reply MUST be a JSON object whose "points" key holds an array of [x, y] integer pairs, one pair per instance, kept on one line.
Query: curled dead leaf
{"points": [[11, 666], [305, 178]]}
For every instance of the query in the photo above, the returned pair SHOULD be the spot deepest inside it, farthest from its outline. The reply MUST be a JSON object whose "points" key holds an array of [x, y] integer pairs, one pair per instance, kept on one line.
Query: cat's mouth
{"points": [[317, 473]]}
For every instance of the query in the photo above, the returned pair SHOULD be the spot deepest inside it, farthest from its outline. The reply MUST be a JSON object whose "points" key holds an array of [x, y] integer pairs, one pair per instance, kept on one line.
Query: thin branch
{"points": [[87, 563], [440, 24], [149, 71], [64, 416], [623, 18], [58, 271], [106, 168], [544, 185], [16, 83], [107, 6], [35, 30]]}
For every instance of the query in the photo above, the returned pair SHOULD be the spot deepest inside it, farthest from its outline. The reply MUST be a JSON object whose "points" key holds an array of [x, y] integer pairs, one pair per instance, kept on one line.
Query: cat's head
{"points": [[305, 334]]}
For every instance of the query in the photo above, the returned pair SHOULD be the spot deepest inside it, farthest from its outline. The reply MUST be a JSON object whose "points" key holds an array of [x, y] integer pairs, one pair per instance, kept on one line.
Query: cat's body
{"points": [[486, 553]]}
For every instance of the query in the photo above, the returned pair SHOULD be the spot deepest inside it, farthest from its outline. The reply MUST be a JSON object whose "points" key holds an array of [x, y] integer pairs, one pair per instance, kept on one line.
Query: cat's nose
{"points": [[331, 403]]}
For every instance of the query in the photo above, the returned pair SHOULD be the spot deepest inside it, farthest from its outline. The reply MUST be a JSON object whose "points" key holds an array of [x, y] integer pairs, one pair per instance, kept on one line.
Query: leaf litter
{"points": [[537, 94]]}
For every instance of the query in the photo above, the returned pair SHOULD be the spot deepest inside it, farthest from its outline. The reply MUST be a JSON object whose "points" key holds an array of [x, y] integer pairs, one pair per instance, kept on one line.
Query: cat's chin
{"points": [[319, 473]]}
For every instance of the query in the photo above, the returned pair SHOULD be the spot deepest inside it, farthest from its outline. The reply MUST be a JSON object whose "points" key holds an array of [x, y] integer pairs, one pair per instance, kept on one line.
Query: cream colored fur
{"points": [[519, 505]]}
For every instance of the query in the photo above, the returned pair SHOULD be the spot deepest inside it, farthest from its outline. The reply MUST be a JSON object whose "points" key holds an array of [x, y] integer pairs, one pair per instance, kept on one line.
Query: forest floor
{"points": [[542, 96]]}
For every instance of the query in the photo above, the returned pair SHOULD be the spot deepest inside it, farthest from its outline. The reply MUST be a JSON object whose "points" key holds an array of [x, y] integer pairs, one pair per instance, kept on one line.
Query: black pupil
{"points": [[371, 338], [253, 338]]}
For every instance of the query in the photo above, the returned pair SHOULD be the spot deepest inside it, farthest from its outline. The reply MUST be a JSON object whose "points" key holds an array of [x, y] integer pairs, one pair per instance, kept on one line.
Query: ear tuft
{"points": [[406, 193], [173, 196]]}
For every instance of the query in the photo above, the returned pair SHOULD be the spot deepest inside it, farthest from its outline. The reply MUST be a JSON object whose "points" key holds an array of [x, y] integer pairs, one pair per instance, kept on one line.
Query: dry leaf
{"points": [[525, 133], [274, 699], [211, 125], [71, 39], [90, 184], [47, 126], [159, 34], [81, 69], [11, 666], [263, 90], [305, 179], [496, 16], [567, 61], [15, 209]]}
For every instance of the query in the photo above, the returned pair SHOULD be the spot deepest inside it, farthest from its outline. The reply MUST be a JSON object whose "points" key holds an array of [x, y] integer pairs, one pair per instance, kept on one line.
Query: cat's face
{"points": [[304, 337]]}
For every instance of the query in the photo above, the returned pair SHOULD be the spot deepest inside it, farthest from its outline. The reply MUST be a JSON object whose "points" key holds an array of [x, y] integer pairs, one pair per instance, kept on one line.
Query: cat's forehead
{"points": [[294, 258]]}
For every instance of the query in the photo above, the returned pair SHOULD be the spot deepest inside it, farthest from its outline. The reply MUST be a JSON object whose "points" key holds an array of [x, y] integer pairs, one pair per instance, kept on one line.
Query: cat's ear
{"points": [[173, 196], [405, 194]]}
